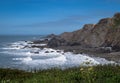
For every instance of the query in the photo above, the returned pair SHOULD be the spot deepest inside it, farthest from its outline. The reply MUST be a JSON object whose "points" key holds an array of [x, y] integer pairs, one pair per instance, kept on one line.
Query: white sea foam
{"points": [[67, 60], [39, 44], [48, 58], [23, 59]]}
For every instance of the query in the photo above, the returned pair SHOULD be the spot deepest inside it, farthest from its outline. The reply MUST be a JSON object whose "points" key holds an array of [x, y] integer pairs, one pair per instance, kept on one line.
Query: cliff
{"points": [[113, 36], [105, 33]]}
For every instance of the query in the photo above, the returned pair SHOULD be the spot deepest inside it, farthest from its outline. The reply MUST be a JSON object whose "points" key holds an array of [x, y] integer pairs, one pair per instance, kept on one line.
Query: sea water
{"points": [[14, 55]]}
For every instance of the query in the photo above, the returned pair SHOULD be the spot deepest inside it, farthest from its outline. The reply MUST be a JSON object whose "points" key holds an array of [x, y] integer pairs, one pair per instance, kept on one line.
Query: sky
{"points": [[39, 17]]}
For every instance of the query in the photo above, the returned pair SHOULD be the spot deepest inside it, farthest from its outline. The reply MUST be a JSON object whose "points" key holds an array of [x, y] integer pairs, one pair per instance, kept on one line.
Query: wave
{"points": [[47, 58]]}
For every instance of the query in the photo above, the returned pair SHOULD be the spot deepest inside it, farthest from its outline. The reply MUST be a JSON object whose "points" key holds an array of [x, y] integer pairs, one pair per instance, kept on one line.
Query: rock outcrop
{"points": [[56, 41], [113, 36], [105, 33]]}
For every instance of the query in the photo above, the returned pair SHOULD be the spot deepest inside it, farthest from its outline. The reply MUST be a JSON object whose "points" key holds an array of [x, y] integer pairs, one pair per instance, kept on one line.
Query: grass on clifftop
{"points": [[95, 74]]}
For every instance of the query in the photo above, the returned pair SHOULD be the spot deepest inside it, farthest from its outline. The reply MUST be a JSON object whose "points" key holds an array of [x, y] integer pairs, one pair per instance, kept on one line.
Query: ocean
{"points": [[14, 54], [6, 59]]}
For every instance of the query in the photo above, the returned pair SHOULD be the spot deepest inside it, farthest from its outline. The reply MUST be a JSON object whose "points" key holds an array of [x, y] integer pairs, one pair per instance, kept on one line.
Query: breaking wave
{"points": [[36, 58]]}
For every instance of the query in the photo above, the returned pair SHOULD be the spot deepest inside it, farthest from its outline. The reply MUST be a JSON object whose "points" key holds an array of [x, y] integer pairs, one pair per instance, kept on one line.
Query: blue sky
{"points": [[52, 16]]}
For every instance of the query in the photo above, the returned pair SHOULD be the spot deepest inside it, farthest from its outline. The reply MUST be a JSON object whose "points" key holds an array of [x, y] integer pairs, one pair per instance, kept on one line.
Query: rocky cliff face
{"points": [[113, 35], [105, 33], [79, 35]]}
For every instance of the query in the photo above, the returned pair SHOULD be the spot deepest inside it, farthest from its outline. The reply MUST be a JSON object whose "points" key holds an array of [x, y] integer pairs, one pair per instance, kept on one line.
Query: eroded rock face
{"points": [[90, 35], [113, 36], [79, 35], [105, 33], [68, 36], [96, 37], [56, 41]]}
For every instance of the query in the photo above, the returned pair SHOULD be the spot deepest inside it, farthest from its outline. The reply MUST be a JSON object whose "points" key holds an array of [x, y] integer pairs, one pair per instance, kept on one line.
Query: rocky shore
{"points": [[96, 40]]}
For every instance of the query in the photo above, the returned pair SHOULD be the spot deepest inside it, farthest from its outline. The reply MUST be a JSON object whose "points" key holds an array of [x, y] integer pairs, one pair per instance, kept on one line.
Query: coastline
{"points": [[112, 56], [78, 49], [37, 54], [91, 42]]}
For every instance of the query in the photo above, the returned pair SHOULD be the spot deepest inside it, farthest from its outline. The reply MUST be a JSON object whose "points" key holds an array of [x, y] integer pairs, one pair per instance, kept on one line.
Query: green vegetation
{"points": [[94, 74]]}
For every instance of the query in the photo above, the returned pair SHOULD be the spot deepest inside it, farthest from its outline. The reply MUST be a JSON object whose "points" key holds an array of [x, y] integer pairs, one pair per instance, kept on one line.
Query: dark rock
{"points": [[41, 47], [35, 52], [116, 48], [51, 51], [46, 40], [105, 49], [51, 36], [56, 41], [40, 41], [73, 43], [46, 51], [59, 51], [26, 47]]}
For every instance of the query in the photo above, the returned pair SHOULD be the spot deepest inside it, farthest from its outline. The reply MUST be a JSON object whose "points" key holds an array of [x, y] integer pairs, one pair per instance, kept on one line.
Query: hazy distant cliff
{"points": [[105, 33]]}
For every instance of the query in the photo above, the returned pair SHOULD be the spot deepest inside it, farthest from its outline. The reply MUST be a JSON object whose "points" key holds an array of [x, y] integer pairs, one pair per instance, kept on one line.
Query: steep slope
{"points": [[105, 33], [78, 35], [113, 35]]}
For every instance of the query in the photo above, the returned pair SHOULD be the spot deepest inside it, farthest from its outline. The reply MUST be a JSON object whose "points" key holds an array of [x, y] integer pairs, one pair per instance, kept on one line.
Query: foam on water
{"points": [[49, 58], [23, 59]]}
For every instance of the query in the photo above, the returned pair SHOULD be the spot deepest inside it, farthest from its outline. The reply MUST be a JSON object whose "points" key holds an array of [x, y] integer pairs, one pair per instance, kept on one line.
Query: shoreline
{"points": [[78, 49], [112, 56], [40, 55]]}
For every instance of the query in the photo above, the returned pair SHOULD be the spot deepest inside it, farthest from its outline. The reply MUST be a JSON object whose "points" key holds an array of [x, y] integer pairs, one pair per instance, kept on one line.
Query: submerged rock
{"points": [[36, 52]]}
